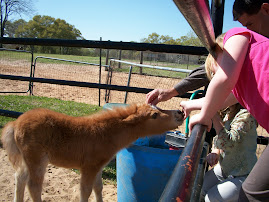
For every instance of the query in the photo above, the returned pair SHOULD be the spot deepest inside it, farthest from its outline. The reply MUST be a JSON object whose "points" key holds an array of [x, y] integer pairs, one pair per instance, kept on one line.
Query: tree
{"points": [[11, 7], [13, 27], [152, 38], [50, 28], [156, 38], [189, 40]]}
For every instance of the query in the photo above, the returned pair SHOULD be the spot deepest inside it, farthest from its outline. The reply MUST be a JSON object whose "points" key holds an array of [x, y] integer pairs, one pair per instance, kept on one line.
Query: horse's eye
{"points": [[154, 116]]}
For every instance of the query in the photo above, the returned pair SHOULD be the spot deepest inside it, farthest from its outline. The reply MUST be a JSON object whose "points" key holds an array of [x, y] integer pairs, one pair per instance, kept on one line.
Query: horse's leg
{"points": [[86, 183], [21, 177], [37, 167], [98, 187]]}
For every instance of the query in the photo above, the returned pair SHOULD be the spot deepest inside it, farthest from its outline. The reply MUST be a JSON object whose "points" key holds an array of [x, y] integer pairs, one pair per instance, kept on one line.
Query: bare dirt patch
{"points": [[59, 185]]}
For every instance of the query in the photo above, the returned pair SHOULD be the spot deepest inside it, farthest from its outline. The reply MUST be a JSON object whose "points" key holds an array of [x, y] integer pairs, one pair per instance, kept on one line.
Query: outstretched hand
{"points": [[185, 108], [159, 95]]}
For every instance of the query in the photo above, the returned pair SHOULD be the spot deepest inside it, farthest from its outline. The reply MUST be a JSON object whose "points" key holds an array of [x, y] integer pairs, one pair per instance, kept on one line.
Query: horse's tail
{"points": [[10, 145]]}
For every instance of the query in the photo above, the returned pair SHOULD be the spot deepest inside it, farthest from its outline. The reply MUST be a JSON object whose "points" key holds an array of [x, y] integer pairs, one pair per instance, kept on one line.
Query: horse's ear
{"points": [[130, 119]]}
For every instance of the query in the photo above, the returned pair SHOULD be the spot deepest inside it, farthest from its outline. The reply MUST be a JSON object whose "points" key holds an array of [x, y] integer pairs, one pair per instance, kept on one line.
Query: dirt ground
{"points": [[62, 184]]}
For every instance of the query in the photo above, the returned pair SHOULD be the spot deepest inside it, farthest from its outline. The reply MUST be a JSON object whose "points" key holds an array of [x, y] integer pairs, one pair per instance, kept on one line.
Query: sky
{"points": [[123, 20]]}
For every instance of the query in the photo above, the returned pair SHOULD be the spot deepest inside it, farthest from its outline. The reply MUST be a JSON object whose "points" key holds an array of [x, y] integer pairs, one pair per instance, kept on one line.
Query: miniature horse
{"points": [[41, 136]]}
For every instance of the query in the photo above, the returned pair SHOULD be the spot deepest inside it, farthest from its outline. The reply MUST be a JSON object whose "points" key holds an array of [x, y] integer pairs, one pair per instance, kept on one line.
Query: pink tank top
{"points": [[252, 87]]}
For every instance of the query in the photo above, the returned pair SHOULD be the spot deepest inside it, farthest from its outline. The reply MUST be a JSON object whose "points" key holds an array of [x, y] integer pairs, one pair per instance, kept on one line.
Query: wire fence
{"points": [[15, 62]]}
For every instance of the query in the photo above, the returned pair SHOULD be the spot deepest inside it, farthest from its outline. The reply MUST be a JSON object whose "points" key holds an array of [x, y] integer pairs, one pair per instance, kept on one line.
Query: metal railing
{"points": [[64, 60], [153, 67], [162, 48], [107, 93], [180, 184]]}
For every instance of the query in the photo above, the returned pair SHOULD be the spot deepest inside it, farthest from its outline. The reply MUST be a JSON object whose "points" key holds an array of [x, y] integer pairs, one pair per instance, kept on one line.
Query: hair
{"points": [[231, 111], [249, 7], [211, 60]]}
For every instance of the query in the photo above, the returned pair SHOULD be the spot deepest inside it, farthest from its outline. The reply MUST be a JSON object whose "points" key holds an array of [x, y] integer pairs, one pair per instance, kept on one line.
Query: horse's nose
{"points": [[180, 112]]}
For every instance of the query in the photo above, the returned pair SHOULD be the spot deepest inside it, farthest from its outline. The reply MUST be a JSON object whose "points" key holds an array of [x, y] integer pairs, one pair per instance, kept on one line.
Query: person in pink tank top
{"points": [[242, 67]]}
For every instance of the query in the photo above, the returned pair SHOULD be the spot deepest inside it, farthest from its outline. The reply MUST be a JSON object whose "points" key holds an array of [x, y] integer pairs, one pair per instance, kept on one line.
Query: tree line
{"points": [[189, 40], [45, 27], [48, 27]]}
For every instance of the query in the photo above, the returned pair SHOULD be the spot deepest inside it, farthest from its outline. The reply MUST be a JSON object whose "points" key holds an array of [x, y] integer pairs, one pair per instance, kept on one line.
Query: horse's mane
{"points": [[116, 112]]}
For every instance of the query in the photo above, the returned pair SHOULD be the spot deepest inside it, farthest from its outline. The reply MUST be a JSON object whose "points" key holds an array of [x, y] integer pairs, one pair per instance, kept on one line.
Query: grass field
{"points": [[25, 103]]}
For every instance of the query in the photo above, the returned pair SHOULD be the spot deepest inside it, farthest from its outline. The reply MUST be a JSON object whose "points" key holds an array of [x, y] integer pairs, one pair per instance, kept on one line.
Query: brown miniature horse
{"points": [[42, 136]]}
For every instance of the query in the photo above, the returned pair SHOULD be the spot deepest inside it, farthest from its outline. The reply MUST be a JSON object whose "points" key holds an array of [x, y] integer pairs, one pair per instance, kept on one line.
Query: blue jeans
{"points": [[218, 187]]}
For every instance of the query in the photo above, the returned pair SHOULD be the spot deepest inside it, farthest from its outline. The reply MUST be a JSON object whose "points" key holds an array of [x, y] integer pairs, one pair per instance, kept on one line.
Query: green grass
{"points": [[25, 103]]}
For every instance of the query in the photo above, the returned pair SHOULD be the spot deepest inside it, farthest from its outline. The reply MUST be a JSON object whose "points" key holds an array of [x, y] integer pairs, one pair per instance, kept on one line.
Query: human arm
{"points": [[190, 105], [196, 104], [223, 82], [213, 157], [230, 100], [196, 79], [160, 95]]}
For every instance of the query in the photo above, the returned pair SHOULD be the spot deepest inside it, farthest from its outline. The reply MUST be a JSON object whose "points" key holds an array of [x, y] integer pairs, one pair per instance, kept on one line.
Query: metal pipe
{"points": [[100, 72], [217, 12], [180, 184], [141, 62], [119, 65], [197, 14], [153, 67], [74, 61], [108, 81], [165, 48], [128, 83], [31, 70], [199, 179], [11, 114]]}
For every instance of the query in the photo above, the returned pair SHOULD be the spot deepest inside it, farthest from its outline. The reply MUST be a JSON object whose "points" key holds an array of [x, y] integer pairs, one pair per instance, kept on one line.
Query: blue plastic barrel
{"points": [[144, 168]]}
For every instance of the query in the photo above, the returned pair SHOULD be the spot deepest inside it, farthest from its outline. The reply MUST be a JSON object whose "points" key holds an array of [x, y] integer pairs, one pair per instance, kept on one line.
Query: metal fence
{"points": [[73, 70], [162, 82], [10, 65]]}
